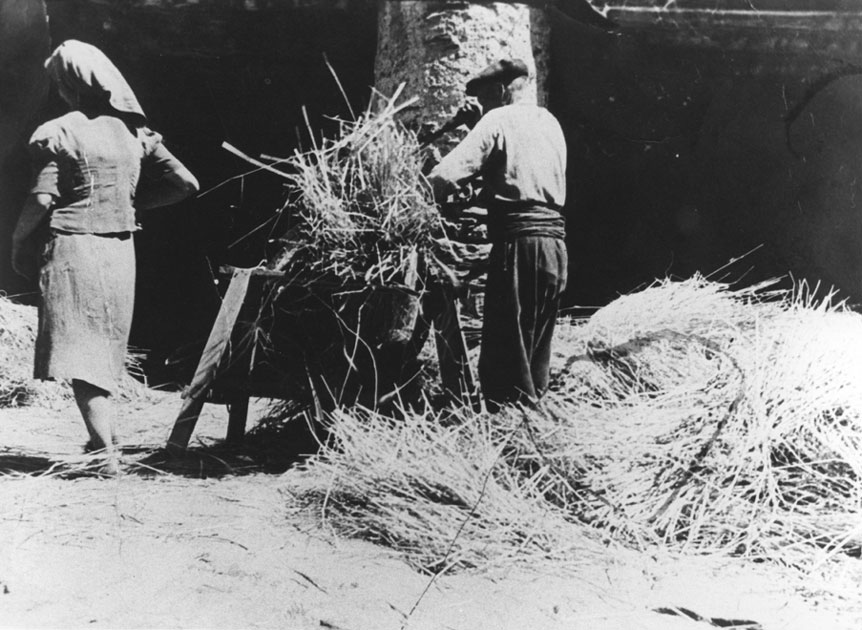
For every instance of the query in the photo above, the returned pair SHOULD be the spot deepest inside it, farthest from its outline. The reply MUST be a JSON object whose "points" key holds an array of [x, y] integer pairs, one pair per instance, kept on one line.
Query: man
{"points": [[518, 152]]}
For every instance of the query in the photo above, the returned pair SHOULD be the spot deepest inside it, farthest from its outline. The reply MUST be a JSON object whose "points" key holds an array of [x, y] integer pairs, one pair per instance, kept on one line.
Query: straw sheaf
{"points": [[362, 203], [732, 428]]}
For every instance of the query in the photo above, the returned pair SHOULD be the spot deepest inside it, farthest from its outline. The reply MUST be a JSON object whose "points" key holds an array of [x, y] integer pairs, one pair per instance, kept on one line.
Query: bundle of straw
{"points": [[361, 227], [360, 203]]}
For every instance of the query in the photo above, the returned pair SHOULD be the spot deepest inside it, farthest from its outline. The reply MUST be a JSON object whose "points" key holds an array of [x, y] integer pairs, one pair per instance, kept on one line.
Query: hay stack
{"points": [[713, 420], [688, 415], [17, 339]]}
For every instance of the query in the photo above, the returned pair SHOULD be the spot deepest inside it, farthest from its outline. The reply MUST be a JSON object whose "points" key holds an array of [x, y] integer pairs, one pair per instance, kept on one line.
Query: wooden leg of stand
{"points": [[455, 370], [185, 424], [209, 361], [237, 419]]}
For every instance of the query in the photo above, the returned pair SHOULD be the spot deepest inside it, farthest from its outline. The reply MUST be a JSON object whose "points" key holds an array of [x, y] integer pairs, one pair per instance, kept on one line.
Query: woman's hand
{"points": [[173, 187], [164, 181], [25, 257], [25, 248]]}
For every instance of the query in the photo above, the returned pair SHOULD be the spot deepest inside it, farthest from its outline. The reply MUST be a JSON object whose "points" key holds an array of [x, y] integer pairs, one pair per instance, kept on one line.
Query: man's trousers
{"points": [[526, 278]]}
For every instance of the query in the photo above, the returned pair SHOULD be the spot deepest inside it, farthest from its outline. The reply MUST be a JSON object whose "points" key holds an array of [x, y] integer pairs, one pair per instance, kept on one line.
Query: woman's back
{"points": [[91, 164]]}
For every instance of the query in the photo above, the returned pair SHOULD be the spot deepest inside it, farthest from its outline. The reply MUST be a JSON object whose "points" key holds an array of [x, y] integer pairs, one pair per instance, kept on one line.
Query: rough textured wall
{"points": [[434, 47]]}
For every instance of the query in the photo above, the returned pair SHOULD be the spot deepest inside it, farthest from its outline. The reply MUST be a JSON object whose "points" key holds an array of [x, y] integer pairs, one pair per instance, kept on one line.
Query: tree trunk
{"points": [[436, 46]]}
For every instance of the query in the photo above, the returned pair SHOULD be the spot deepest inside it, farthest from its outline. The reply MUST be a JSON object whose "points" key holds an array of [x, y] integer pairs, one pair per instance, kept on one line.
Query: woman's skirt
{"points": [[88, 295]]}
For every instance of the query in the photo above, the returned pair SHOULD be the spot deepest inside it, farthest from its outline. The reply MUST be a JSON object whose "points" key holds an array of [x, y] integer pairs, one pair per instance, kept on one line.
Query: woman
{"points": [[87, 166]]}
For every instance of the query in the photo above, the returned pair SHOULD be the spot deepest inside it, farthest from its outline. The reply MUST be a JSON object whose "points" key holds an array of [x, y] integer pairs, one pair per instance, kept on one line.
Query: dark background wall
{"points": [[697, 136], [23, 88]]}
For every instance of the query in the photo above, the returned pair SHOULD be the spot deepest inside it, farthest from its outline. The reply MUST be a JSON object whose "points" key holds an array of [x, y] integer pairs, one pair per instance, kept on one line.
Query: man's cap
{"points": [[504, 71]]}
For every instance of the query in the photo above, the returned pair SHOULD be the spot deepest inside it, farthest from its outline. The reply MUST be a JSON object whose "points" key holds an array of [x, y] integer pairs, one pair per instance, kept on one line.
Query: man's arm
{"points": [[464, 162]]}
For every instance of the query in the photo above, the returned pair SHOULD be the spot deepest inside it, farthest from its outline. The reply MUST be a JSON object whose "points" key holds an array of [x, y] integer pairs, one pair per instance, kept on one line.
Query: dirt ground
{"points": [[215, 543]]}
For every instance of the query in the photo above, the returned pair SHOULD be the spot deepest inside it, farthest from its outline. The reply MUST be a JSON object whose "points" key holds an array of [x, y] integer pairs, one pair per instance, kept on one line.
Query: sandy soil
{"points": [[216, 544]]}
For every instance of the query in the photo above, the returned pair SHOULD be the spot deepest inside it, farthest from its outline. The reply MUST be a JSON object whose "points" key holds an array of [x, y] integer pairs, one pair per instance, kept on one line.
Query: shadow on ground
{"points": [[268, 449], [12, 462]]}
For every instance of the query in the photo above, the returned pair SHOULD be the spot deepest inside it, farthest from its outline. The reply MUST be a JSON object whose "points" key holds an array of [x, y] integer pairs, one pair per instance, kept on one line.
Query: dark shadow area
{"points": [[273, 446], [694, 139], [267, 452], [12, 462], [23, 48]]}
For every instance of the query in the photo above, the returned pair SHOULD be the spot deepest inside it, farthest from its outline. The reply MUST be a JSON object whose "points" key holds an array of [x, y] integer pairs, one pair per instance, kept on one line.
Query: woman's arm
{"points": [[172, 187], [164, 179], [36, 208]]}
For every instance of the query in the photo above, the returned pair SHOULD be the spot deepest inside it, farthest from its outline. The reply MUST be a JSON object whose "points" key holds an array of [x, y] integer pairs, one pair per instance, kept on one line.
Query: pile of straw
{"points": [[687, 415], [17, 340], [712, 420]]}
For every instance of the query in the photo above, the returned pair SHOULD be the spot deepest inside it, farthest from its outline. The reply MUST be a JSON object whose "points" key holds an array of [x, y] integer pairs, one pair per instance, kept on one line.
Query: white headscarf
{"points": [[84, 69]]}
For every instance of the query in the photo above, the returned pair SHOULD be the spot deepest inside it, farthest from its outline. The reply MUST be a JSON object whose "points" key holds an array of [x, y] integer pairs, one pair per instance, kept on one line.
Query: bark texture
{"points": [[434, 47]]}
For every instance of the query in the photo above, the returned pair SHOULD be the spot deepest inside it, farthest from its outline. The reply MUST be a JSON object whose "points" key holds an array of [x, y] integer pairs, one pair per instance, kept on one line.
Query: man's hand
{"points": [[468, 114], [476, 213]]}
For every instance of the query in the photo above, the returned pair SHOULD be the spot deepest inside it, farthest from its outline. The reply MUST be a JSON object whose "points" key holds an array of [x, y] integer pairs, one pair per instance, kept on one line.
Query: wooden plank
{"points": [[185, 423], [220, 333], [742, 6], [455, 371], [210, 359], [237, 419]]}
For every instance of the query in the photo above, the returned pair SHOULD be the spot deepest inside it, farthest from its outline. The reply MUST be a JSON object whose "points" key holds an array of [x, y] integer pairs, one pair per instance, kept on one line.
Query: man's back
{"points": [[519, 150]]}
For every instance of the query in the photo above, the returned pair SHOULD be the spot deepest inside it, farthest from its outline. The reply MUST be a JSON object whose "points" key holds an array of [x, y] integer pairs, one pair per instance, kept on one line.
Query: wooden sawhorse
{"points": [[455, 371]]}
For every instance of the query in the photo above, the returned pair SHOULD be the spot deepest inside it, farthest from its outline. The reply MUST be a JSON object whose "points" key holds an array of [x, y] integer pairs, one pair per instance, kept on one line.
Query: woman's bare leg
{"points": [[97, 409]]}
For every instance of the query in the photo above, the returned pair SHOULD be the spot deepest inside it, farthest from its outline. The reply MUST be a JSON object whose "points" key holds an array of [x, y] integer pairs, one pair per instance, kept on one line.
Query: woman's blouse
{"points": [[92, 167]]}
